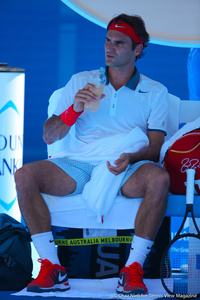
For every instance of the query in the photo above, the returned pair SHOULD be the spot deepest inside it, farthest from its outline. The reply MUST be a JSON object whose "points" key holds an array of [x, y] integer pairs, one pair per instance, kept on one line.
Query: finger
{"points": [[111, 168], [87, 93], [108, 164], [118, 161], [89, 86], [85, 96], [123, 158], [114, 170]]}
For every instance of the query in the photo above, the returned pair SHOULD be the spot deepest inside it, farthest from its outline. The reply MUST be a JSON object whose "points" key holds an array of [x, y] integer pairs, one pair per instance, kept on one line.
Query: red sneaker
{"points": [[131, 280], [51, 278]]}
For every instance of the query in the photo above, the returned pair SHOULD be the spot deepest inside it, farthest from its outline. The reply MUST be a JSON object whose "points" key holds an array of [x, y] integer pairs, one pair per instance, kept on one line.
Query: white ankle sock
{"points": [[140, 248], [45, 246]]}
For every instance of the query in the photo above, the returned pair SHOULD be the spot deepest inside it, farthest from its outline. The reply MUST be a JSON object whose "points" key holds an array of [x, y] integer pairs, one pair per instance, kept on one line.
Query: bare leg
{"points": [[33, 179], [151, 182]]}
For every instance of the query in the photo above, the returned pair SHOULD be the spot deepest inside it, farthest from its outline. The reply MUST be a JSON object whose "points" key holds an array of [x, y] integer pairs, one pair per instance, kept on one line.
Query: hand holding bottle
{"points": [[99, 83]]}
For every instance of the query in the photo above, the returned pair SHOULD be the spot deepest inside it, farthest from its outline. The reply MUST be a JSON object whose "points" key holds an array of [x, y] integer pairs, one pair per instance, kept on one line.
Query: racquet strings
{"points": [[181, 271]]}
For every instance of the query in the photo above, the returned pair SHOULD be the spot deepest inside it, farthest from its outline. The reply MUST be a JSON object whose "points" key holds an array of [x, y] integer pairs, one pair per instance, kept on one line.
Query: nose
{"points": [[110, 46]]}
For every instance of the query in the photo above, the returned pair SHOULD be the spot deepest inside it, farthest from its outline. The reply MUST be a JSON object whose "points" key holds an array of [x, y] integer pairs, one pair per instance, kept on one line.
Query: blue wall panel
{"points": [[51, 42]]}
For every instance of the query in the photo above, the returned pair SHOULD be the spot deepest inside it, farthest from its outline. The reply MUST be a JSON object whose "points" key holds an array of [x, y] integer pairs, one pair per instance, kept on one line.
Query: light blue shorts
{"points": [[81, 172]]}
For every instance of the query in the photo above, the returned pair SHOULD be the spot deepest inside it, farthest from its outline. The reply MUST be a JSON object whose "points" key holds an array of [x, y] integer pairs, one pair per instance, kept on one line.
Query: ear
{"points": [[138, 49]]}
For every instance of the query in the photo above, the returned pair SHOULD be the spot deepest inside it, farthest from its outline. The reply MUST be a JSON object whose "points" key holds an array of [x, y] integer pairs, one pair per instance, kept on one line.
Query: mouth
{"points": [[110, 56]]}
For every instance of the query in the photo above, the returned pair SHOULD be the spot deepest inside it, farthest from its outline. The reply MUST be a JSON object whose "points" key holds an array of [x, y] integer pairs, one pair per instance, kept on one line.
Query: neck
{"points": [[119, 77]]}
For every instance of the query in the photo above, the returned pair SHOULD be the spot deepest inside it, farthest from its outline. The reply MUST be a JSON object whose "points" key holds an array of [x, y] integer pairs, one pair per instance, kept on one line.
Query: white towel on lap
{"points": [[100, 192]]}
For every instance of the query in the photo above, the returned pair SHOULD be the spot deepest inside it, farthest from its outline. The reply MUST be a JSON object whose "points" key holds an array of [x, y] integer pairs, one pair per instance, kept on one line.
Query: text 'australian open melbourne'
{"points": [[11, 143]]}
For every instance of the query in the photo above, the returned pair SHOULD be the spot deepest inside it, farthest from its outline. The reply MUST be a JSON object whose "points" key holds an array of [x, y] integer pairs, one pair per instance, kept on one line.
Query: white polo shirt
{"points": [[141, 102]]}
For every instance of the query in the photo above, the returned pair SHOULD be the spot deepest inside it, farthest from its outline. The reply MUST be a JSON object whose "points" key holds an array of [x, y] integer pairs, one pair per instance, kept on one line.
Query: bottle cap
{"points": [[102, 70]]}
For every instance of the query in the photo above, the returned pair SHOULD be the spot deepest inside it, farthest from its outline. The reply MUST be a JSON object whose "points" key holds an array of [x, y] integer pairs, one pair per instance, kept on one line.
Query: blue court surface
{"points": [[7, 295]]}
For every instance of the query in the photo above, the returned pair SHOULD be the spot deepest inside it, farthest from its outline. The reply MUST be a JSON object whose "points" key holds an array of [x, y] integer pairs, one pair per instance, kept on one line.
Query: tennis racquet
{"points": [[180, 263]]}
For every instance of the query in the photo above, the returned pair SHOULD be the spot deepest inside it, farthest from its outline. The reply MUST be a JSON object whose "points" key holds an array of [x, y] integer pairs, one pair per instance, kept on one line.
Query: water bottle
{"points": [[99, 81]]}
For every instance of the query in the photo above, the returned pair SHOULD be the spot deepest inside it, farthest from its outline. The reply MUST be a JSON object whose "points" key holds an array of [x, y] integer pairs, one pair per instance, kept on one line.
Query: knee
{"points": [[159, 181], [21, 177], [163, 179]]}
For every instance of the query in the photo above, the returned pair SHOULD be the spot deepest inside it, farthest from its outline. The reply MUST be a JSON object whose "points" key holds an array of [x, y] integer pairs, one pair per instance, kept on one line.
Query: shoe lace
{"points": [[45, 267], [134, 274]]}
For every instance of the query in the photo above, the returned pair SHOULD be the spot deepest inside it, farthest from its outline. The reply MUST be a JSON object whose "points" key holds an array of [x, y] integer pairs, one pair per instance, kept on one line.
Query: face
{"points": [[118, 50]]}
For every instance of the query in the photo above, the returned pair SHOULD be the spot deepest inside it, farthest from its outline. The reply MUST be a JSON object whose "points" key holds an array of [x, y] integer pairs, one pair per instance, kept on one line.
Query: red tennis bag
{"points": [[182, 155]]}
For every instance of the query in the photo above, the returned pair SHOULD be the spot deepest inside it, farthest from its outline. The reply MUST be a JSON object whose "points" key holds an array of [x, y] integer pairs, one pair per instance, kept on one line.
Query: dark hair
{"points": [[139, 26]]}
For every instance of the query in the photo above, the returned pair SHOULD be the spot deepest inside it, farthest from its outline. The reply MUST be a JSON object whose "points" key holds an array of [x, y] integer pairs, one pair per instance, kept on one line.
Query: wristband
{"points": [[70, 116]]}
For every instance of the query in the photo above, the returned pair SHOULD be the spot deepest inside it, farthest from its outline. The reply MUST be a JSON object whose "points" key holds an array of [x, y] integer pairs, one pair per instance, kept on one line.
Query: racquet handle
{"points": [[190, 186]]}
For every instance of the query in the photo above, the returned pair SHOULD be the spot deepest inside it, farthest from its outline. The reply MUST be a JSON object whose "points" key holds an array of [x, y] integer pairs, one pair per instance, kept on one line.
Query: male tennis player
{"points": [[130, 100]]}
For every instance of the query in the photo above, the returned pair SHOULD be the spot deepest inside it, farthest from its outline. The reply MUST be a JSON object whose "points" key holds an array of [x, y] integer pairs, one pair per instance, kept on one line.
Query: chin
{"points": [[110, 63]]}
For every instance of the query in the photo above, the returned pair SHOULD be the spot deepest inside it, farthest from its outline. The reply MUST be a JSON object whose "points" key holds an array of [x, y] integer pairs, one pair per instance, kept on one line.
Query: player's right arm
{"points": [[54, 128]]}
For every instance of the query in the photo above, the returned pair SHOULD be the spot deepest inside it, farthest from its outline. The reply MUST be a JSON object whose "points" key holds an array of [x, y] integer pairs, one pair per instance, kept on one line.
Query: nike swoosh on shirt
{"points": [[143, 92]]}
